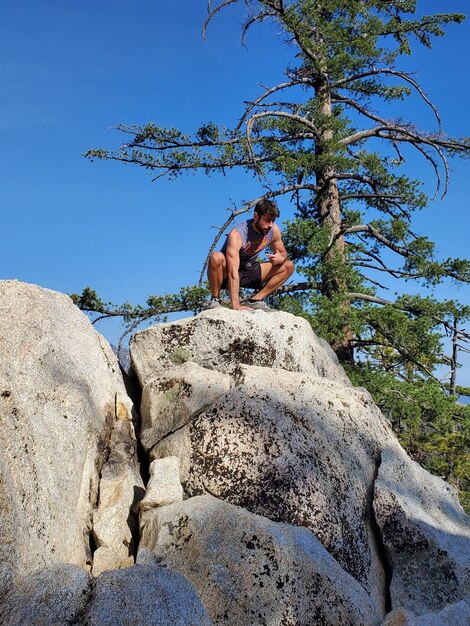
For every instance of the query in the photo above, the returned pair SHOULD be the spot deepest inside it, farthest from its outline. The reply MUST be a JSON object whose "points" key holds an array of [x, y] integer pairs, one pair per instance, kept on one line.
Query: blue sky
{"points": [[71, 70]]}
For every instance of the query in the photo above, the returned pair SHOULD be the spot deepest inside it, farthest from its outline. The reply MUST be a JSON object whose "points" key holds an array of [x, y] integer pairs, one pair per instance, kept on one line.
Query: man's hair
{"points": [[266, 207]]}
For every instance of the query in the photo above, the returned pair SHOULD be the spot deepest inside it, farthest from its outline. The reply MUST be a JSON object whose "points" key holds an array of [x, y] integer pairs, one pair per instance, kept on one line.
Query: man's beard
{"points": [[263, 231]]}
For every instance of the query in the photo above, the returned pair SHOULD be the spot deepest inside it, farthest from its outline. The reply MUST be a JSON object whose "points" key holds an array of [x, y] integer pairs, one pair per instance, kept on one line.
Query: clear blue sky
{"points": [[70, 70]]}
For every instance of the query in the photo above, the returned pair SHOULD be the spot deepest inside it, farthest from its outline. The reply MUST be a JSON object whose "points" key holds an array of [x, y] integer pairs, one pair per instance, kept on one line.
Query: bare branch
{"points": [[266, 94], [373, 282], [213, 12], [361, 135], [388, 71], [259, 17]]}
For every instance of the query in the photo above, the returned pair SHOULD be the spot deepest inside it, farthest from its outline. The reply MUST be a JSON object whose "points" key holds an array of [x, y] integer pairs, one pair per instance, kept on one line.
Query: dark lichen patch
{"points": [[400, 535], [216, 323], [241, 350], [428, 579], [179, 532], [179, 334], [164, 384], [427, 572], [246, 351], [253, 543]]}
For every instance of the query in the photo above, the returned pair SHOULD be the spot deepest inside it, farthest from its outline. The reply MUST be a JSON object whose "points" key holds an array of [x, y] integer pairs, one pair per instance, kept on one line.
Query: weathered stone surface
{"points": [[457, 614], [64, 594], [220, 339], [426, 533], [249, 570], [52, 596], [144, 595], [171, 399], [121, 488], [164, 486], [61, 392], [398, 617], [105, 559], [295, 448]]}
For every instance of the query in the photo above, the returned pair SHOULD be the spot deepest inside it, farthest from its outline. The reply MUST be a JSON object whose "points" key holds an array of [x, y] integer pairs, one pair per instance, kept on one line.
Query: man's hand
{"points": [[277, 258], [242, 308]]}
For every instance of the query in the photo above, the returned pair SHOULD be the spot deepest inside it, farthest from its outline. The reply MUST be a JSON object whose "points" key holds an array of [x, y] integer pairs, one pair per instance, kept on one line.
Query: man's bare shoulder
{"points": [[276, 232], [234, 240], [234, 236]]}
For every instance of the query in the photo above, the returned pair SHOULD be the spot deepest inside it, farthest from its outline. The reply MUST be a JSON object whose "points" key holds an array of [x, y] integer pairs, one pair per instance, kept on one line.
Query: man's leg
{"points": [[216, 272], [274, 276]]}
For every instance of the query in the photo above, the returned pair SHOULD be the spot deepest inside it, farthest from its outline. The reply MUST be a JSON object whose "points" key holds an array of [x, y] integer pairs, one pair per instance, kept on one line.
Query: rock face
{"points": [[52, 596], [426, 533], [62, 399], [290, 441], [66, 594], [144, 594], [114, 522], [171, 400], [457, 614], [164, 486], [249, 570], [277, 496], [217, 339], [295, 448]]}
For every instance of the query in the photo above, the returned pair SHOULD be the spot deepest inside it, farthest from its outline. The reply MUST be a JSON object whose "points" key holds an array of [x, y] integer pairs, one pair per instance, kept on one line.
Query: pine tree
{"points": [[329, 136], [317, 136]]}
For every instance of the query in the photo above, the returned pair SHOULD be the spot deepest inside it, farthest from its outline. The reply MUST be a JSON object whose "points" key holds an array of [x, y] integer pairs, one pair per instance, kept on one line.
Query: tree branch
{"points": [[266, 94], [390, 72]]}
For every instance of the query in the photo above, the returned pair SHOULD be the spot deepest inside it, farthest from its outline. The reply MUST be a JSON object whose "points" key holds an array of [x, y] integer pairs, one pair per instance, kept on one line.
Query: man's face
{"points": [[263, 223]]}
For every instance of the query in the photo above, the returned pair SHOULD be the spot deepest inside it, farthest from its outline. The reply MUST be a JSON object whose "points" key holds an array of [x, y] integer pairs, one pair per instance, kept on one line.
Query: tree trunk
{"points": [[454, 362], [329, 214]]}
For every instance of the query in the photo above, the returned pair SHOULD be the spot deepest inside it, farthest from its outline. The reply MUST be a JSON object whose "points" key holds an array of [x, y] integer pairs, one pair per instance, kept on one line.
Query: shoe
{"points": [[213, 304], [258, 305]]}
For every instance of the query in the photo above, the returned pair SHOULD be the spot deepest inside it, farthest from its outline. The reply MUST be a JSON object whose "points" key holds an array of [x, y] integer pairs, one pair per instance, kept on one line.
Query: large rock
{"points": [[61, 396], [294, 442], [52, 596], [144, 595], [164, 486], [426, 533], [115, 525], [66, 594], [298, 449], [220, 339], [170, 400], [249, 570], [456, 614]]}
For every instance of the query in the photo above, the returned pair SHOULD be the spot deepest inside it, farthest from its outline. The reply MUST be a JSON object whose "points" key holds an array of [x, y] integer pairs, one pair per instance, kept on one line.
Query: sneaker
{"points": [[213, 304], [258, 305]]}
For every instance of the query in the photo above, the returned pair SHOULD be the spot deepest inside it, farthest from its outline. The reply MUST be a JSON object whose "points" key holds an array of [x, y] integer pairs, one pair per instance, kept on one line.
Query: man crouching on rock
{"points": [[237, 265]]}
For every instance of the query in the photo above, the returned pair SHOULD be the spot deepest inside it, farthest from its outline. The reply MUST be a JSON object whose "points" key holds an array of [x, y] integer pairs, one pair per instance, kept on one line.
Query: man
{"points": [[237, 265]]}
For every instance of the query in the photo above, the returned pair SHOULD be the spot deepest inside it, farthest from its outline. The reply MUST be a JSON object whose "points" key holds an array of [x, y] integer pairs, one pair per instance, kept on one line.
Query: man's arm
{"points": [[280, 252], [232, 254]]}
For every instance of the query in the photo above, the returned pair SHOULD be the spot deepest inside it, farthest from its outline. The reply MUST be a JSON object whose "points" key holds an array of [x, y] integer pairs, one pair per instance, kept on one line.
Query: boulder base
{"points": [[248, 570]]}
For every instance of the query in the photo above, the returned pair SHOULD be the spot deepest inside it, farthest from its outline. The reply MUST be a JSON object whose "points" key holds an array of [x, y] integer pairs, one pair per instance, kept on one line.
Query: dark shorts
{"points": [[249, 277]]}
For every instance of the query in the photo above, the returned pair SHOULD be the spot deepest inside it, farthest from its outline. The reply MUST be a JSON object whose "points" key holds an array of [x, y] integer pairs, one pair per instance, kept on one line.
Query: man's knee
{"points": [[289, 267], [216, 259]]}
